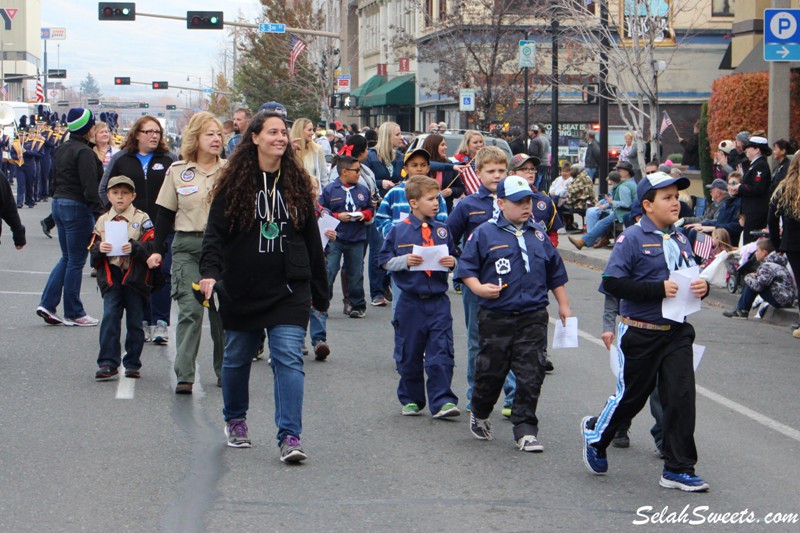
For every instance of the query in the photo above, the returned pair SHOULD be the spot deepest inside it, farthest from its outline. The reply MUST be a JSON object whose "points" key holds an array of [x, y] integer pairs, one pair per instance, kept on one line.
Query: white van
{"points": [[27, 109]]}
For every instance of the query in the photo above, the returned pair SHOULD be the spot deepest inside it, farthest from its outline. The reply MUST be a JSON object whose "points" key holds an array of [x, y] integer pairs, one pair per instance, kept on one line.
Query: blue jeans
{"points": [[317, 326], [74, 222], [471, 321], [378, 278], [600, 227], [353, 254], [286, 360], [591, 172], [116, 300], [160, 300], [749, 296]]}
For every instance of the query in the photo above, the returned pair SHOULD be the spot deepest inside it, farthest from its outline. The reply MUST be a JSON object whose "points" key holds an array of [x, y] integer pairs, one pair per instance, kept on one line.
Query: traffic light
{"points": [[348, 101], [171, 107], [144, 105], [160, 114], [117, 11], [591, 93], [92, 101], [160, 85], [204, 20], [120, 80], [336, 101]]}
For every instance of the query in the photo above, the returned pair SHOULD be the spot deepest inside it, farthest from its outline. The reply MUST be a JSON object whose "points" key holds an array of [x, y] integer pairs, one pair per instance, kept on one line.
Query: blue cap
{"points": [[514, 188], [275, 107], [659, 180]]}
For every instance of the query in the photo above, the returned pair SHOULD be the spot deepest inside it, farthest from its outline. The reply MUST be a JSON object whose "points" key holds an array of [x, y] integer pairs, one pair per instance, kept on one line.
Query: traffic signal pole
{"points": [[301, 31]]}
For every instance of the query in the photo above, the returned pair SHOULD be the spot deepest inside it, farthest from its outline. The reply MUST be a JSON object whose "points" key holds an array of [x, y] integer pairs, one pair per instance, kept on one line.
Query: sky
{"points": [[145, 50]]}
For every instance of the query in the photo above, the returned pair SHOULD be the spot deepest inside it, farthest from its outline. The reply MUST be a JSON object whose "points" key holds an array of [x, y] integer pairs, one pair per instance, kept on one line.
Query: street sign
{"points": [[56, 73], [267, 27], [466, 100], [54, 34], [782, 35], [63, 103], [208, 91], [343, 83], [527, 54]]}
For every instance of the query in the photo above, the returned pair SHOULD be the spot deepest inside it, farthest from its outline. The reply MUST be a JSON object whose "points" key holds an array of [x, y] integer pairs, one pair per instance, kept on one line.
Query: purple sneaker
{"points": [[291, 451], [236, 431]]}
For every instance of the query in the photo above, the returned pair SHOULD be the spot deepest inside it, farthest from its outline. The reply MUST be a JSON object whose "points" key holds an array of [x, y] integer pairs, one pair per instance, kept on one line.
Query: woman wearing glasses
{"points": [[145, 158], [184, 202]]}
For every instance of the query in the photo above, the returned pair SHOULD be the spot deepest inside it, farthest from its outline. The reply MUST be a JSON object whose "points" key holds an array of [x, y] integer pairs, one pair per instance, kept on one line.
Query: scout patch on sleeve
{"points": [[540, 205], [620, 239]]}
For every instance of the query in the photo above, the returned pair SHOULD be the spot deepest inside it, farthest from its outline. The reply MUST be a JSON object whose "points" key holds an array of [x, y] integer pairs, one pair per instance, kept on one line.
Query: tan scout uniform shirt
{"points": [[138, 224], [186, 191]]}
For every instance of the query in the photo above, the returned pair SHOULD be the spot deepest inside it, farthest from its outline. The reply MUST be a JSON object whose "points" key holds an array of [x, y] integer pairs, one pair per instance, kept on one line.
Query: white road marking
{"points": [[125, 387], [26, 272], [720, 399], [23, 293]]}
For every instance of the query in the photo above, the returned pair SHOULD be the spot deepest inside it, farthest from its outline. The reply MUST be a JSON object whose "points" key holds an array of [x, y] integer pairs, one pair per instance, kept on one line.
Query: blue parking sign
{"points": [[782, 35]]}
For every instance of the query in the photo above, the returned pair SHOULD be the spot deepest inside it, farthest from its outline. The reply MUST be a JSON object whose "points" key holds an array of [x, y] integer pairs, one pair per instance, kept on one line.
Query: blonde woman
{"points": [[630, 154], [784, 208], [385, 161], [470, 144], [184, 202], [310, 153], [103, 146]]}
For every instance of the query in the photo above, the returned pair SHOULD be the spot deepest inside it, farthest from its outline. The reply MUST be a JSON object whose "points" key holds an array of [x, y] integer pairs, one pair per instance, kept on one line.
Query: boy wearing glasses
{"points": [[544, 209], [351, 204]]}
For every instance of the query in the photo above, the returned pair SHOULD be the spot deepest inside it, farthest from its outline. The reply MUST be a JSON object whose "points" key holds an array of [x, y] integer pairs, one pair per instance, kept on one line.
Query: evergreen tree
{"points": [[89, 86]]}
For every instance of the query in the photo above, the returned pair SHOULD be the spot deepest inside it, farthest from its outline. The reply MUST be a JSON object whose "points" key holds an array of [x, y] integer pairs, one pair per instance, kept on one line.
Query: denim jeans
{"points": [[286, 360], [74, 222], [591, 172], [600, 227], [317, 326], [378, 278], [353, 254], [749, 296], [160, 300], [116, 300], [471, 320]]}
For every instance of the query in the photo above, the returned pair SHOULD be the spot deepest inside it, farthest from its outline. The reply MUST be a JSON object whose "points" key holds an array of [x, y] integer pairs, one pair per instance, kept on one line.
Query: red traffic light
{"points": [[160, 85], [120, 80]]}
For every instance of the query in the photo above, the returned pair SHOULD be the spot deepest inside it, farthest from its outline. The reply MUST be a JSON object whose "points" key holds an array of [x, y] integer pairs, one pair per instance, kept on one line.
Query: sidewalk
{"points": [[721, 297]]}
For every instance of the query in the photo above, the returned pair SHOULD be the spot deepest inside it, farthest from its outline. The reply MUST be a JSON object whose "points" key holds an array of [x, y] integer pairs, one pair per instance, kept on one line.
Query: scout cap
{"points": [[418, 151], [513, 188], [659, 180], [520, 159], [120, 180]]}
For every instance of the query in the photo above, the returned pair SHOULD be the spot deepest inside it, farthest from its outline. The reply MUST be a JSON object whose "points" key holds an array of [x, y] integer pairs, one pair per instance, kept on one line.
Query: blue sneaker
{"points": [[591, 455], [685, 482]]}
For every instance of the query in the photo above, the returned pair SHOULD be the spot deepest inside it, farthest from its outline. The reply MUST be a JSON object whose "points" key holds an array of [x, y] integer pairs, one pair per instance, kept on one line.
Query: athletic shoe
{"points": [[184, 387], [480, 427], [594, 459], [236, 432], [133, 373], [762, 310], [219, 382], [529, 443], [548, 367], [621, 439], [358, 313], [506, 412], [458, 290], [148, 331], [259, 354], [685, 482], [45, 228], [84, 321], [388, 294], [736, 313], [448, 410], [291, 451], [49, 316], [347, 307], [379, 301], [161, 333], [321, 350], [410, 409], [105, 373]]}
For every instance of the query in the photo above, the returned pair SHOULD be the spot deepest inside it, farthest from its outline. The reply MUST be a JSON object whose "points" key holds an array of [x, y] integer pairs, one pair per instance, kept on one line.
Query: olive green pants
{"points": [[185, 270]]}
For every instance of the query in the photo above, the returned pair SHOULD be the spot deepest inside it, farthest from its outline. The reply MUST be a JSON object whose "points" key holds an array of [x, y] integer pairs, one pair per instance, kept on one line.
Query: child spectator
{"points": [[544, 208], [422, 321], [510, 265], [720, 241], [772, 281], [351, 204], [317, 323], [124, 280]]}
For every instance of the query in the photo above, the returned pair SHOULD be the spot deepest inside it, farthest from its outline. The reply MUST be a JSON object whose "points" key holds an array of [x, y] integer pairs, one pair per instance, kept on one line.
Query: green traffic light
{"points": [[126, 11], [213, 20]]}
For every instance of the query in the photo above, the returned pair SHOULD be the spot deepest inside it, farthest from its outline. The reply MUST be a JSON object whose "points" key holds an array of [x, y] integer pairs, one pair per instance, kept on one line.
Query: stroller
{"points": [[735, 270]]}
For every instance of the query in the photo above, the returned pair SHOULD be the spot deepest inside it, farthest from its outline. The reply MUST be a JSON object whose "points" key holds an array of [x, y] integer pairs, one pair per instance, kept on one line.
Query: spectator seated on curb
{"points": [[722, 213], [611, 209], [772, 281], [580, 193], [720, 241]]}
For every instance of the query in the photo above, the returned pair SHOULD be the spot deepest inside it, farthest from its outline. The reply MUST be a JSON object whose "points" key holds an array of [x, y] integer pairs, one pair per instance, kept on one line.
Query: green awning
{"points": [[370, 85], [398, 91]]}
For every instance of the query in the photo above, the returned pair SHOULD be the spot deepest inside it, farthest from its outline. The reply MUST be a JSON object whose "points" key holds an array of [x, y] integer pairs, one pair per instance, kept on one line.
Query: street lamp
{"points": [[659, 66]]}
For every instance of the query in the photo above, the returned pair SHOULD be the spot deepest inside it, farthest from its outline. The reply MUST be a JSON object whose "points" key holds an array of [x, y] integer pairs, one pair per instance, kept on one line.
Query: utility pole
{"points": [[778, 113], [554, 170], [603, 100]]}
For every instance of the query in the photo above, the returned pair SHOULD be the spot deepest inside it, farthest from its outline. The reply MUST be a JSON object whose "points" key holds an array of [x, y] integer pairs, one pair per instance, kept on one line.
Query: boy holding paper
{"points": [[655, 351], [123, 277], [510, 265], [351, 204], [422, 321]]}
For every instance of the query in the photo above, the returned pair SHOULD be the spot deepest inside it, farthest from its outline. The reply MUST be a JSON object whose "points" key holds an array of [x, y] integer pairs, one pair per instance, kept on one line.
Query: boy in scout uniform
{"points": [[510, 265], [544, 209], [422, 321], [654, 350], [124, 280]]}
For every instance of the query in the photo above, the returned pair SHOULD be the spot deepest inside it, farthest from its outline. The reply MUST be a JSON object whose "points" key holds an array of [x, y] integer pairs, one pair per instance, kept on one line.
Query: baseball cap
{"points": [[120, 180], [275, 107], [520, 159], [718, 184], [514, 188], [338, 125], [659, 180], [726, 146], [418, 151], [625, 165]]}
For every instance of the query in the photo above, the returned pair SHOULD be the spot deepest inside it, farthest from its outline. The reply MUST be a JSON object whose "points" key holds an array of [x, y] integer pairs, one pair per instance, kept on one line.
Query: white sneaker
{"points": [[148, 331], [529, 443], [161, 333], [84, 321]]}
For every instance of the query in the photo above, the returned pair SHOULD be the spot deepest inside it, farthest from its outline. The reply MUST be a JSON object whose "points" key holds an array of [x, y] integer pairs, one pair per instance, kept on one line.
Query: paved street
{"points": [[132, 456]]}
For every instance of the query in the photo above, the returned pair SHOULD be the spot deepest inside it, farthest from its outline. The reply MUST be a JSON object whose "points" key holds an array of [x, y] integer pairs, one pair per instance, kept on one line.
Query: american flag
{"points": [[470, 179], [297, 48], [4, 91], [39, 91], [666, 122], [702, 246]]}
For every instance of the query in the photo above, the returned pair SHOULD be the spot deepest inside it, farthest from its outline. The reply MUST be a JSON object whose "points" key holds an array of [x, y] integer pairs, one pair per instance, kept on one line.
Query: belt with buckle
{"points": [[644, 325]]}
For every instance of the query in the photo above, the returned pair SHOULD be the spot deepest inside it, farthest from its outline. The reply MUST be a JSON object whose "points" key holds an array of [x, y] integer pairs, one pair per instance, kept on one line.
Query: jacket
{"points": [[727, 217], [593, 155], [778, 173], [773, 275], [138, 277], [8, 212], [125, 163], [77, 173], [754, 189], [383, 172], [789, 239], [580, 192]]}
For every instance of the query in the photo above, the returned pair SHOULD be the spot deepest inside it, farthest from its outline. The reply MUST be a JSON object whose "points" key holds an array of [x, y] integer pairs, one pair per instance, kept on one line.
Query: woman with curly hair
{"points": [[784, 208], [262, 256]]}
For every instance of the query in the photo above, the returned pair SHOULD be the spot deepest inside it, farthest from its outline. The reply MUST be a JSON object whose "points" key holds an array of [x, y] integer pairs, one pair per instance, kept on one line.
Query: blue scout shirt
{"points": [[493, 254], [400, 241], [334, 197], [639, 255], [544, 212], [470, 213]]}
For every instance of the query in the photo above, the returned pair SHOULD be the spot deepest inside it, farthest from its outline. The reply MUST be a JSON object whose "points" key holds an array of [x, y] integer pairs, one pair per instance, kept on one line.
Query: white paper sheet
{"points": [[356, 214], [117, 235], [697, 355], [685, 302], [566, 336], [430, 257], [326, 222]]}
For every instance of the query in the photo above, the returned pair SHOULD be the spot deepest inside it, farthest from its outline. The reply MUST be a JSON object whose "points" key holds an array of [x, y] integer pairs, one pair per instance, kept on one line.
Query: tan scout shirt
{"points": [[138, 224], [186, 191]]}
